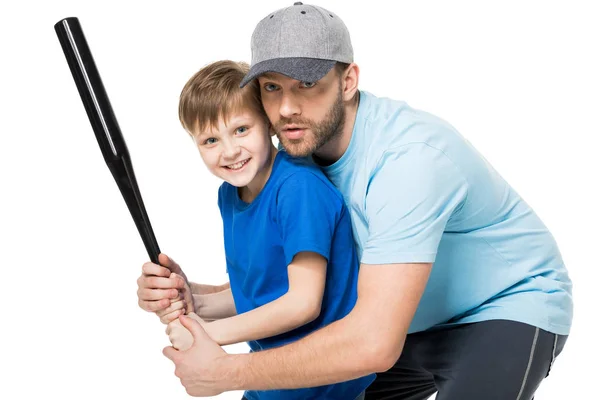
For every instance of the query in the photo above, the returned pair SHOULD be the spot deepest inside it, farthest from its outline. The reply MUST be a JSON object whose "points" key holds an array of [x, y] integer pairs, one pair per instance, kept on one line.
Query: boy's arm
{"points": [[299, 306], [201, 289], [215, 306]]}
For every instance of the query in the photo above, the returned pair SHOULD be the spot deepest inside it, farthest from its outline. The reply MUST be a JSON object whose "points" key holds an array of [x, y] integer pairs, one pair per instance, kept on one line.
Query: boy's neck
{"points": [[252, 190]]}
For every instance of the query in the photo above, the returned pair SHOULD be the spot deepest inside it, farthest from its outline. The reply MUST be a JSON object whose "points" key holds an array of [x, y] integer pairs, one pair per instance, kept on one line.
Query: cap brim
{"points": [[301, 69]]}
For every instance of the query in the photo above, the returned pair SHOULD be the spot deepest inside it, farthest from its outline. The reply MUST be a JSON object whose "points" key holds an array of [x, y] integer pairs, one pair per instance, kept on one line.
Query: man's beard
{"points": [[323, 131]]}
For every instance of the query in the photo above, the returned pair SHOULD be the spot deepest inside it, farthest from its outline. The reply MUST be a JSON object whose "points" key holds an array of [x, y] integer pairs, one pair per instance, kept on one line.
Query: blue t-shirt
{"points": [[298, 210], [419, 192]]}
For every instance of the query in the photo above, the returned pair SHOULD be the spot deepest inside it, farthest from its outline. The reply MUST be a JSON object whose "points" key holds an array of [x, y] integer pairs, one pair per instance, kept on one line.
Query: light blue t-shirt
{"points": [[419, 192]]}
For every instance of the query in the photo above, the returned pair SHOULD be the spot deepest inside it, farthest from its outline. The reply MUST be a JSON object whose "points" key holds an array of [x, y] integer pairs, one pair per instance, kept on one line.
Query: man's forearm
{"points": [[339, 352]]}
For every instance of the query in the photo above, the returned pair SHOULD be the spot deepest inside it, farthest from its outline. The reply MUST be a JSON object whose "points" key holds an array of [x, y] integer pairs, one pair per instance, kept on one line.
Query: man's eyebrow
{"points": [[269, 75]]}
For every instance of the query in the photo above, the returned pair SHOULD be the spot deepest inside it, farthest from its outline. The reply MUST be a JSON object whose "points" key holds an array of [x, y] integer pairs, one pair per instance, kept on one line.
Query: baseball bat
{"points": [[105, 126]]}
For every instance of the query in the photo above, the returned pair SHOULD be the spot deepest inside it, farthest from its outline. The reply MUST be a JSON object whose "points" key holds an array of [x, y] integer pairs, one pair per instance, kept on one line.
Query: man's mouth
{"points": [[238, 165], [293, 132]]}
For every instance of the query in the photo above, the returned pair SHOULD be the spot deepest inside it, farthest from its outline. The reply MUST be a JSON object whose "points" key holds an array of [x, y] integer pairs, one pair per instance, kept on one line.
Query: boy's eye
{"points": [[307, 85], [241, 129], [211, 140], [270, 87]]}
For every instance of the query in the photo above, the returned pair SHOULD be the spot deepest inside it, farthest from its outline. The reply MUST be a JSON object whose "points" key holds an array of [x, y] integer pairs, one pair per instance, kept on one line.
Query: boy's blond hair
{"points": [[214, 92]]}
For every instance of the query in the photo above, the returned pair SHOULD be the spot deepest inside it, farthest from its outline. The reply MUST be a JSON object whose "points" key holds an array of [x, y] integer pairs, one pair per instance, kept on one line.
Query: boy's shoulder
{"points": [[288, 165], [302, 170], [289, 175]]}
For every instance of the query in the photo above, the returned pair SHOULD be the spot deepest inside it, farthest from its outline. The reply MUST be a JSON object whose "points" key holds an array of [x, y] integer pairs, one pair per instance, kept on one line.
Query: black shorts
{"points": [[489, 360]]}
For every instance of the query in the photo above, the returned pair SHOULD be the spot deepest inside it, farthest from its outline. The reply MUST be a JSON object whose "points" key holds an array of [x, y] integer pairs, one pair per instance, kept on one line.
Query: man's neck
{"points": [[333, 150]]}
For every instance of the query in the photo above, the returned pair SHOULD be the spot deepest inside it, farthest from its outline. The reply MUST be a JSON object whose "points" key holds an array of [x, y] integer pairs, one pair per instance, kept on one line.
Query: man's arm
{"points": [[369, 339], [299, 306]]}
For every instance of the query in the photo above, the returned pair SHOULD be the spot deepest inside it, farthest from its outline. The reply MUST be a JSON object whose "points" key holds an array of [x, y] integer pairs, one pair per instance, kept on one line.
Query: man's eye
{"points": [[307, 84], [211, 140], [241, 130], [270, 87]]}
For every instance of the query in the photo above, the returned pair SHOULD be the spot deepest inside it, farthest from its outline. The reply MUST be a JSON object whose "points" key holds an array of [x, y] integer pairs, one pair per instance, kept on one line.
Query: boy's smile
{"points": [[238, 166]]}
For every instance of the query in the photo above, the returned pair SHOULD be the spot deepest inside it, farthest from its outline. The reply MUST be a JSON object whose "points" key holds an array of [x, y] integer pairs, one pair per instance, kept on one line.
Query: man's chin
{"points": [[296, 148]]}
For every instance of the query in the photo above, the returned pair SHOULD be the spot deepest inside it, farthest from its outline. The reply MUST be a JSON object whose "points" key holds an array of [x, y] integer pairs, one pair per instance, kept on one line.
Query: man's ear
{"points": [[350, 82]]}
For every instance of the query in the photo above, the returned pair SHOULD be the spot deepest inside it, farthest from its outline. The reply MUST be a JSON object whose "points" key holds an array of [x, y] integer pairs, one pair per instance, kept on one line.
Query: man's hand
{"points": [[159, 285], [202, 366], [181, 339]]}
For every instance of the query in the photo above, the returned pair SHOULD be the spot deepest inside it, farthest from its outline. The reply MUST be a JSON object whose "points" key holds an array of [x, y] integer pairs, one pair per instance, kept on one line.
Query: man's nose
{"points": [[289, 106]]}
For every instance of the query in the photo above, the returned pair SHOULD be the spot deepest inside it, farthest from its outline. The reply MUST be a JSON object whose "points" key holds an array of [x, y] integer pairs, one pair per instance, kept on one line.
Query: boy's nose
{"points": [[230, 150]]}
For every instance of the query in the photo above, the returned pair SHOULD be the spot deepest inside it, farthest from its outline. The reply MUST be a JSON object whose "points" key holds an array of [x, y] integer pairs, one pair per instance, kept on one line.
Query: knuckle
{"points": [[142, 283]]}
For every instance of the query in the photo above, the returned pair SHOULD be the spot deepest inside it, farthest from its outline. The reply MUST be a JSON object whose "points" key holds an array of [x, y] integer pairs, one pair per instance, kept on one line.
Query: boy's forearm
{"points": [[215, 306], [199, 288], [279, 316]]}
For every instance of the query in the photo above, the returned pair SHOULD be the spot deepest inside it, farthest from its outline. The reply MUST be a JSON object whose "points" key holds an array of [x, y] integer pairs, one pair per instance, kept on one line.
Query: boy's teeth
{"points": [[237, 165]]}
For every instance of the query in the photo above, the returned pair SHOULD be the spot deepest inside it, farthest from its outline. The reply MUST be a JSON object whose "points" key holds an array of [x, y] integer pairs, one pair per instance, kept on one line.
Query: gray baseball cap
{"points": [[302, 41]]}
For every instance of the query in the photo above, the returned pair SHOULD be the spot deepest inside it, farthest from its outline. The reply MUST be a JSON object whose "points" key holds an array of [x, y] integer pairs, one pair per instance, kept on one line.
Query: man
{"points": [[462, 289]]}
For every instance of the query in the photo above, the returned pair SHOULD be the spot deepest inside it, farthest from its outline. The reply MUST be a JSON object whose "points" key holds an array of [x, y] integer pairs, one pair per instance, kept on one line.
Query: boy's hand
{"points": [[159, 285], [204, 368], [183, 305], [180, 337]]}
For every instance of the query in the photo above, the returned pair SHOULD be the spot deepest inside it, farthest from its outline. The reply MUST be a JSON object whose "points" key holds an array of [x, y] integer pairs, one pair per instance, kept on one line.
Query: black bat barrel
{"points": [[105, 126]]}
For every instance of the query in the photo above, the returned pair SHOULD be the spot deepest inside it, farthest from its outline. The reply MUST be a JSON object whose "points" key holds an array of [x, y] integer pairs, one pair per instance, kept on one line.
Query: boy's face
{"points": [[238, 150], [304, 115]]}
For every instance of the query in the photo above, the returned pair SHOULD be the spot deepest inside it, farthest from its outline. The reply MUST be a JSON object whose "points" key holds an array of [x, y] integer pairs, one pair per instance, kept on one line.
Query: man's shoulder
{"points": [[391, 126], [393, 117]]}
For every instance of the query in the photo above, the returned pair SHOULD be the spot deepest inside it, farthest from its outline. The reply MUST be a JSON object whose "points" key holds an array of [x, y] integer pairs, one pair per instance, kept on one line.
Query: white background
{"points": [[519, 79]]}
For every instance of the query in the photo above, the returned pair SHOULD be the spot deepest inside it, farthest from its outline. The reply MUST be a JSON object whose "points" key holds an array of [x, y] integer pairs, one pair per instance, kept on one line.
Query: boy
{"points": [[288, 236]]}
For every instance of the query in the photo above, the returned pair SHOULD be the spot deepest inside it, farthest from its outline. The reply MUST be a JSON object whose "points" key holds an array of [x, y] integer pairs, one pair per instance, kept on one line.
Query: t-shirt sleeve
{"points": [[412, 193], [308, 211], [221, 200]]}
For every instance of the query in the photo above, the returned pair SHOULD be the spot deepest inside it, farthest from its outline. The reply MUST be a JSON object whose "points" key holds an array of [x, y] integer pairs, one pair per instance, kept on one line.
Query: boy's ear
{"points": [[270, 128]]}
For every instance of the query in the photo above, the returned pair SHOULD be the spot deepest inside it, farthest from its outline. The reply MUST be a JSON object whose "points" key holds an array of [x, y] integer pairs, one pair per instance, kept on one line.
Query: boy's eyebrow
{"points": [[202, 134]]}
